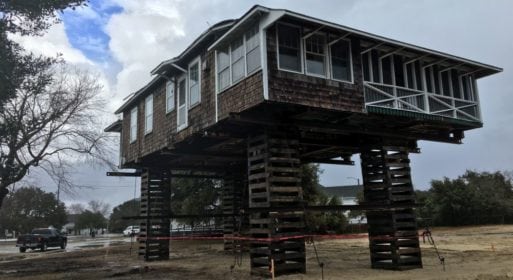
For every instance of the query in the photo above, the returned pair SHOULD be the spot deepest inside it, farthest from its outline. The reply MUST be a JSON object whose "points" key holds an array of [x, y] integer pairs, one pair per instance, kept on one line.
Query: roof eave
{"points": [[114, 127], [242, 20], [137, 94], [493, 69], [198, 40]]}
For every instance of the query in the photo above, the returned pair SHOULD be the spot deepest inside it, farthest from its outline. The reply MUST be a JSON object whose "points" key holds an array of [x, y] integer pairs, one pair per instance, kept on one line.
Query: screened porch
{"points": [[422, 83]]}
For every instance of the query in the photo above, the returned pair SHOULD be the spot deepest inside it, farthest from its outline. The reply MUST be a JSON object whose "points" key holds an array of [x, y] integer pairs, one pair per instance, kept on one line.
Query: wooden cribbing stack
{"points": [[393, 239], [232, 202], [274, 181], [155, 207]]}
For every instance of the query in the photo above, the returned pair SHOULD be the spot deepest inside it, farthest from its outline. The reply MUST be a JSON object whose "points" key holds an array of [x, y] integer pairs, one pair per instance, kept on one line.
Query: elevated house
{"points": [[253, 98]]}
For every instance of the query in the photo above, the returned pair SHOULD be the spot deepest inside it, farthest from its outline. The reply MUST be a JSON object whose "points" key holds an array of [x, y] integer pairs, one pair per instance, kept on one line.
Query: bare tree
{"points": [[97, 206], [76, 208], [53, 120]]}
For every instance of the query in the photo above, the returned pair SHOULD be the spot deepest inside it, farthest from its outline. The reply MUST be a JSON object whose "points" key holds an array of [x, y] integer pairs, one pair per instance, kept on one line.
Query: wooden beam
{"points": [[333, 161]]}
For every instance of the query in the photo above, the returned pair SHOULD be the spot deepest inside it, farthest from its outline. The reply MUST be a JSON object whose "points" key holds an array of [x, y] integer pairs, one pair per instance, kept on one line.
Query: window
{"points": [[315, 55], [236, 61], [413, 76], [237, 53], [430, 83], [289, 49], [446, 84], [466, 87], [456, 93], [341, 61], [366, 67], [133, 125], [252, 50], [376, 74], [399, 70], [170, 96], [223, 69], [386, 70], [182, 104], [148, 114], [194, 83], [371, 66]]}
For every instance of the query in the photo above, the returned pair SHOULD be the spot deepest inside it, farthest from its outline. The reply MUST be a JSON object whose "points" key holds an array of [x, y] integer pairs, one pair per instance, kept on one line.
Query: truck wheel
{"points": [[23, 249], [44, 247], [63, 244]]}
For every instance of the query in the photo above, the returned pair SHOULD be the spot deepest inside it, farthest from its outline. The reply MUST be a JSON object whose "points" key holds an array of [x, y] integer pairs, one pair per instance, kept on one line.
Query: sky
{"points": [[123, 40]]}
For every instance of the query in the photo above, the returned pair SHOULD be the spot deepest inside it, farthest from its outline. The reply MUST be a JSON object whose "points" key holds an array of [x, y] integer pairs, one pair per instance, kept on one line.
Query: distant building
{"points": [[348, 196]]}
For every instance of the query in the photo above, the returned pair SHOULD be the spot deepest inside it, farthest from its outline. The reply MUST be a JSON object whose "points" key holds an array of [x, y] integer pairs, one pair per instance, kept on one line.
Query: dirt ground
{"points": [[481, 253]]}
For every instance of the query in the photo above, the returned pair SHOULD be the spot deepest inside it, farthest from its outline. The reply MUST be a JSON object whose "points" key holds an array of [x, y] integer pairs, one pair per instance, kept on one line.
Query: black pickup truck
{"points": [[41, 238]]}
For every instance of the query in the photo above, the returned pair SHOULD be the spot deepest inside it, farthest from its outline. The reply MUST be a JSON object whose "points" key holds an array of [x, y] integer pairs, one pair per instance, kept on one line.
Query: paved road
{"points": [[74, 243]]}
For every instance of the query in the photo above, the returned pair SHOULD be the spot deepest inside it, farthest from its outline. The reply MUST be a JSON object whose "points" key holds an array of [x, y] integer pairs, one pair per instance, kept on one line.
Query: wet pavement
{"points": [[75, 243]]}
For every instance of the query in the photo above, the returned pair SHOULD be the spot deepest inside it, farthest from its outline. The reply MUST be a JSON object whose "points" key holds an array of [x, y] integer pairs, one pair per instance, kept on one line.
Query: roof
{"points": [[114, 127], [343, 191], [173, 62], [280, 13]]}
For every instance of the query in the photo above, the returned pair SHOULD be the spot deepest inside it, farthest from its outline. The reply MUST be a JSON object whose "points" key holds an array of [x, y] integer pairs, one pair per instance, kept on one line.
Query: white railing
{"points": [[401, 98]]}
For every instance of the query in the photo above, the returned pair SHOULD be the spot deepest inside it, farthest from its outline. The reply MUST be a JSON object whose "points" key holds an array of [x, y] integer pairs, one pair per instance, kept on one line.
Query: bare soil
{"points": [[480, 253]]}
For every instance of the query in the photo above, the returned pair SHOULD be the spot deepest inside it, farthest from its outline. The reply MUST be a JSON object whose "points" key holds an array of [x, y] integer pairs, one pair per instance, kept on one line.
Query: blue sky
{"points": [[85, 29]]}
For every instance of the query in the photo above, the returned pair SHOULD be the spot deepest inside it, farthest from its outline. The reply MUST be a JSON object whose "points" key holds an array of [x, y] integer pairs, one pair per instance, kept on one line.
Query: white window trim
{"points": [[326, 56], [198, 60], [246, 51], [146, 130], [133, 134], [300, 49], [350, 61], [246, 74], [243, 58], [218, 90], [328, 63], [169, 110], [186, 123]]}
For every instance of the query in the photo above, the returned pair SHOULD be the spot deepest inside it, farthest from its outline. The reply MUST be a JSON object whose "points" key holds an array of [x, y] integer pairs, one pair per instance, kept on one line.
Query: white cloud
{"points": [[52, 43], [143, 35]]}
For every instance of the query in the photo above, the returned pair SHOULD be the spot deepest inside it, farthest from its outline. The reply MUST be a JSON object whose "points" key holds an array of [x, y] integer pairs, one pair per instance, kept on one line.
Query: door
{"points": [[181, 116]]}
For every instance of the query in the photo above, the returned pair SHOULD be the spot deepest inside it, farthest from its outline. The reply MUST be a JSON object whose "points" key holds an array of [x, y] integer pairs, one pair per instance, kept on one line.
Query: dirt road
{"points": [[481, 253]]}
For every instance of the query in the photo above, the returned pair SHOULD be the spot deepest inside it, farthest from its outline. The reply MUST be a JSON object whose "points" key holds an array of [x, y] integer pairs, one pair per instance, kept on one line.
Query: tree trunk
{"points": [[3, 193]]}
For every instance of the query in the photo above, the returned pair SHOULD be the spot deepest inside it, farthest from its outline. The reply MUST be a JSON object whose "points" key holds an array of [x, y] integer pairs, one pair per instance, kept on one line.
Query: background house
{"points": [[348, 195]]}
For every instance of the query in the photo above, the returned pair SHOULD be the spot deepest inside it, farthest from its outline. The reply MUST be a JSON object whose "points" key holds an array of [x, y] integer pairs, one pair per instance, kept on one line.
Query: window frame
{"points": [[133, 124], [172, 84], [188, 83], [326, 56], [186, 123], [301, 56], [242, 59], [330, 67], [146, 115], [253, 49], [230, 68]]}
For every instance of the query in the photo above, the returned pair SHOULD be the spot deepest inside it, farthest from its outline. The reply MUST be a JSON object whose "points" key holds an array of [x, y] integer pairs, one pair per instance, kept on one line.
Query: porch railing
{"points": [[401, 98]]}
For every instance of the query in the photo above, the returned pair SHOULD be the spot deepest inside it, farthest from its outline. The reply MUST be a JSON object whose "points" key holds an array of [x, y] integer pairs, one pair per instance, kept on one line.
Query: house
{"points": [[348, 195], [252, 99]]}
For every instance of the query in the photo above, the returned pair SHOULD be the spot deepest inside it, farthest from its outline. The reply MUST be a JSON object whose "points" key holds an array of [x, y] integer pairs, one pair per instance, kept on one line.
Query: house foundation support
{"points": [[393, 238], [274, 181], [155, 206], [232, 203]]}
